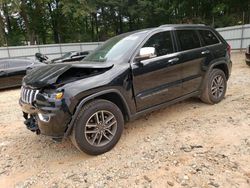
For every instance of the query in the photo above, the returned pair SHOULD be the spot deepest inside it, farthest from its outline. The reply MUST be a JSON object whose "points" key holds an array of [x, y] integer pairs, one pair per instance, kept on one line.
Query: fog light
{"points": [[44, 117], [59, 95]]}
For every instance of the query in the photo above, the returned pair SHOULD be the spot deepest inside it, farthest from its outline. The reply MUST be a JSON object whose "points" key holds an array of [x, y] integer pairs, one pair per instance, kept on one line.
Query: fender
{"points": [[89, 98]]}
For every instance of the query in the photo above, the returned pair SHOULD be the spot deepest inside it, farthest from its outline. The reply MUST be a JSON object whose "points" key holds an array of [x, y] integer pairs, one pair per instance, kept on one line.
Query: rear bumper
{"points": [[51, 122]]}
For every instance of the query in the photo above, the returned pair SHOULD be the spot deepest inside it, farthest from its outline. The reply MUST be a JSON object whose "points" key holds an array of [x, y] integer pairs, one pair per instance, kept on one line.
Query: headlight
{"points": [[59, 95], [52, 95]]}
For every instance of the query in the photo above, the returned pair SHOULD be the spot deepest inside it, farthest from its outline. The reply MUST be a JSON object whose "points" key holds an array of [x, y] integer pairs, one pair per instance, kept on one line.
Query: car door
{"points": [[157, 79], [17, 70], [4, 80], [214, 46], [193, 57]]}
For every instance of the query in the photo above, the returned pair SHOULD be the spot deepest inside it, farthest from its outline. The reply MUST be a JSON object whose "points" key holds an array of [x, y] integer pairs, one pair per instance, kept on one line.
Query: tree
{"points": [[59, 21]]}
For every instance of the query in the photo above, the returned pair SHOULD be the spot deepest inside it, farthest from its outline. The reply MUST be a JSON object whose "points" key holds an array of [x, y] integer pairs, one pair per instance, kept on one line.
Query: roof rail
{"points": [[181, 25]]}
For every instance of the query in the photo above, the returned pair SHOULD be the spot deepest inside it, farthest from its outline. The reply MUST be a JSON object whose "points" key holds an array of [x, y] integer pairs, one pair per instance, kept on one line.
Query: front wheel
{"points": [[215, 87], [98, 127]]}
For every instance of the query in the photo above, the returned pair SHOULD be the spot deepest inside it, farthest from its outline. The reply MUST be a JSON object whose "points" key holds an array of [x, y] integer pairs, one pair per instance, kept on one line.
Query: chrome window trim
{"points": [[160, 58]]}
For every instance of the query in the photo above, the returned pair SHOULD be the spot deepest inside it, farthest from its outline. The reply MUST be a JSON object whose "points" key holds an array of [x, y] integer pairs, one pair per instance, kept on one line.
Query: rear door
{"points": [[158, 79], [193, 56], [209, 39]]}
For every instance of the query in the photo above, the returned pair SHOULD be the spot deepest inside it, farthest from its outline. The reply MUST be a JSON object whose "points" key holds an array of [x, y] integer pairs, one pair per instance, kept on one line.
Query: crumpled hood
{"points": [[48, 75]]}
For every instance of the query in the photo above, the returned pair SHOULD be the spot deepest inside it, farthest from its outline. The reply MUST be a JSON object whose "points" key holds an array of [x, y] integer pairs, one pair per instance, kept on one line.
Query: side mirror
{"points": [[146, 53]]}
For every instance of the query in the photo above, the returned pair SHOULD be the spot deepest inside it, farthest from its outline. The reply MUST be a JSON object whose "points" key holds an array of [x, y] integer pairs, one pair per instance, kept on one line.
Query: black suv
{"points": [[129, 75]]}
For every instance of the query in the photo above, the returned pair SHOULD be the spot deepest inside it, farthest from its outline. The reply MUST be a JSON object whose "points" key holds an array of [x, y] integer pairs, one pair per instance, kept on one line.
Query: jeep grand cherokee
{"points": [[129, 75]]}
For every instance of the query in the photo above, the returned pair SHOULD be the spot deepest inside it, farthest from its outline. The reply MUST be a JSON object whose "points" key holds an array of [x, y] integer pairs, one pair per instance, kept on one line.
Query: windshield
{"points": [[116, 47]]}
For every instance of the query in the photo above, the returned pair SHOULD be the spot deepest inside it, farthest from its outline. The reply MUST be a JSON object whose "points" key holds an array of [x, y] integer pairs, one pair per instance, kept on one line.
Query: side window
{"points": [[162, 42], [188, 39], [208, 37]]}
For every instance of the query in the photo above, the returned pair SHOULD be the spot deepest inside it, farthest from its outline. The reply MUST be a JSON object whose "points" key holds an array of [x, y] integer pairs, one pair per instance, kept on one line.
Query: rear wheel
{"points": [[98, 127], [215, 87]]}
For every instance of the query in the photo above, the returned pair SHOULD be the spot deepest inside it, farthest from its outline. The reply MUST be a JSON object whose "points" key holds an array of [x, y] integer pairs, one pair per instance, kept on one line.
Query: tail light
{"points": [[229, 50]]}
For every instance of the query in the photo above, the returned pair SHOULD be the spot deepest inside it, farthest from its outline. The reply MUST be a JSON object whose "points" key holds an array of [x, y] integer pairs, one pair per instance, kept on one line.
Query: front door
{"points": [[157, 79]]}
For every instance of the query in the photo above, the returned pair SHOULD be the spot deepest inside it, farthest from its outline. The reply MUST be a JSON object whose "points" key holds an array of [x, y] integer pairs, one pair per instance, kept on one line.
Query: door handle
{"points": [[174, 60], [205, 52]]}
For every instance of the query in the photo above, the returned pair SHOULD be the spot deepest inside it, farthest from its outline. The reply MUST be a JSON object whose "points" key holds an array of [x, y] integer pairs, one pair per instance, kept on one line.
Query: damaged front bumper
{"points": [[46, 116]]}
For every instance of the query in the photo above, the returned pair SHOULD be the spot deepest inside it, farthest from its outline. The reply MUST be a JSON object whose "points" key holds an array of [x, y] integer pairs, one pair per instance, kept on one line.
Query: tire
{"points": [[90, 134], [248, 63], [215, 87]]}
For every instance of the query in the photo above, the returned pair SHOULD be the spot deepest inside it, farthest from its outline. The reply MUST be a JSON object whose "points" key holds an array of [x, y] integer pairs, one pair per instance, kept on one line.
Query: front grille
{"points": [[28, 95]]}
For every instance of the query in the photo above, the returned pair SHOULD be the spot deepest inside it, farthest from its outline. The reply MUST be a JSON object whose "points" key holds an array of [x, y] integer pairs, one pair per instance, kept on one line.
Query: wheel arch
{"points": [[118, 100], [222, 66], [112, 95]]}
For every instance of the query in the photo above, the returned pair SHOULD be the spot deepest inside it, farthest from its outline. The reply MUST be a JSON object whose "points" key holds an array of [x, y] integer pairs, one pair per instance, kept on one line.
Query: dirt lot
{"points": [[189, 144]]}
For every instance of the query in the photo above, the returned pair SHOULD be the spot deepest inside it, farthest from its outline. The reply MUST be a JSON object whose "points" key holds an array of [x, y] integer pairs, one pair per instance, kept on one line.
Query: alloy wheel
{"points": [[218, 86], [100, 128]]}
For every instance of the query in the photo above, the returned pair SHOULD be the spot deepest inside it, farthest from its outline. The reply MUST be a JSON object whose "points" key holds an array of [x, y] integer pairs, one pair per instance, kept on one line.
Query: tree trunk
{"points": [[54, 24], [41, 31], [131, 23], [120, 23], [24, 15], [7, 17], [2, 32], [96, 26], [92, 29]]}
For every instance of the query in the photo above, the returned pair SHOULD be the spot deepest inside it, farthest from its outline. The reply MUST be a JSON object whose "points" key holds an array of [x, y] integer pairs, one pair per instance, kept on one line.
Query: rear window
{"points": [[208, 37], [188, 39]]}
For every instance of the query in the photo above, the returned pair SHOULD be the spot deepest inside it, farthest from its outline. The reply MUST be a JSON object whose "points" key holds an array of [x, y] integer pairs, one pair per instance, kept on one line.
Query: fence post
{"points": [[38, 47], [60, 46], [81, 47], [8, 51], [242, 38]]}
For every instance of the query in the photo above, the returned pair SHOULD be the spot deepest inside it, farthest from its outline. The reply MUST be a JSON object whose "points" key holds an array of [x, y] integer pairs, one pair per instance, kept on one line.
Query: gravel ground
{"points": [[189, 144]]}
